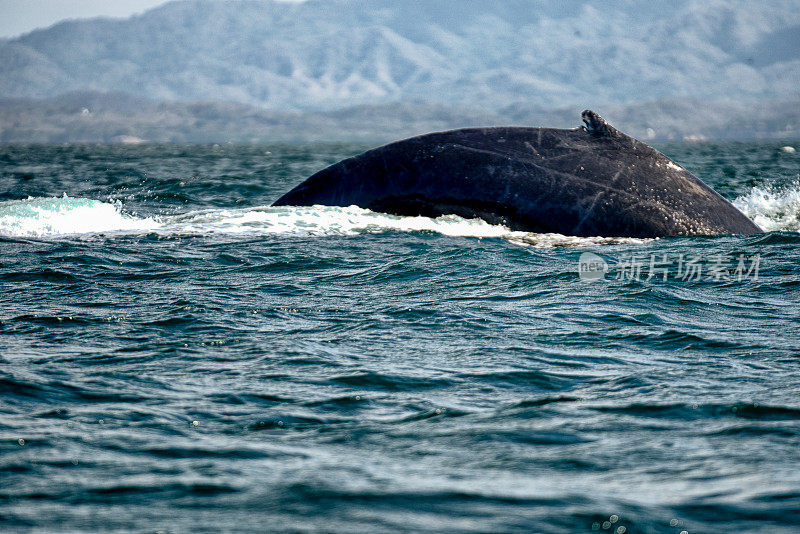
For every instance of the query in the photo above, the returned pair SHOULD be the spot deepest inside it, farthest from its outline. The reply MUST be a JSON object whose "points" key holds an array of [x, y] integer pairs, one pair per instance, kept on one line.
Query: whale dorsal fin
{"points": [[597, 125]]}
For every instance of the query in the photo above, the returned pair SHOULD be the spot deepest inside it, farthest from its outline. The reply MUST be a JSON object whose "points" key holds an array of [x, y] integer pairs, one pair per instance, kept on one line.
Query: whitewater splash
{"points": [[352, 220], [65, 216], [772, 209], [43, 217]]}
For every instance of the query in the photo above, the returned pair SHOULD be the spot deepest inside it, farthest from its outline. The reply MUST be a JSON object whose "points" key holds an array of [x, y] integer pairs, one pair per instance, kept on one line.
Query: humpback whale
{"points": [[588, 181]]}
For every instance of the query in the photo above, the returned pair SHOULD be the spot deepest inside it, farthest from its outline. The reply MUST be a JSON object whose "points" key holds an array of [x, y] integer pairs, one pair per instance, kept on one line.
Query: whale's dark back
{"points": [[585, 182]]}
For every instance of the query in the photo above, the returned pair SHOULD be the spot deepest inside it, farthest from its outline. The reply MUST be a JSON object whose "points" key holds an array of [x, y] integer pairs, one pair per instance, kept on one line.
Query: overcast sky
{"points": [[21, 16]]}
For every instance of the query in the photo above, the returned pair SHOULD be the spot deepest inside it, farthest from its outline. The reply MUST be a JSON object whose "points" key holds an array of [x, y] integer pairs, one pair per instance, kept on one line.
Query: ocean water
{"points": [[177, 356]]}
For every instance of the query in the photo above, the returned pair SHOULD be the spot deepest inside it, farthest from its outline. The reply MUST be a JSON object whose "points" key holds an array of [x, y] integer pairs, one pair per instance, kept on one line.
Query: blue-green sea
{"points": [[177, 356]]}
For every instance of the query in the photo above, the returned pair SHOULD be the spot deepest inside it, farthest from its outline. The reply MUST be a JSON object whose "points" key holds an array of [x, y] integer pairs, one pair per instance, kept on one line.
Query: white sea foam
{"points": [[772, 209], [47, 217], [43, 217], [352, 220]]}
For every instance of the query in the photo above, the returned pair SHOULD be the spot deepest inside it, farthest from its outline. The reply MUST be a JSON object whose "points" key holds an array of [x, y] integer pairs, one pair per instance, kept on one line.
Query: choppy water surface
{"points": [[175, 355]]}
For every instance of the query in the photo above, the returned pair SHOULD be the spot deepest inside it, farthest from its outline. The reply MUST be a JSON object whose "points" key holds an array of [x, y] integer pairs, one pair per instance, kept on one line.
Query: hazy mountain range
{"points": [[503, 60]]}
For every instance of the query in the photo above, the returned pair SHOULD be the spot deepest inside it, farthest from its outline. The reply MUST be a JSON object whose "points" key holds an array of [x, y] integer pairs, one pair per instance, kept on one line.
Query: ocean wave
{"points": [[773, 209], [352, 220], [46, 217], [65, 216]]}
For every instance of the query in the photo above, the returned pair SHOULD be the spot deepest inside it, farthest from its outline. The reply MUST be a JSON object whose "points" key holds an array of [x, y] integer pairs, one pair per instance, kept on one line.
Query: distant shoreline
{"points": [[120, 118]]}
